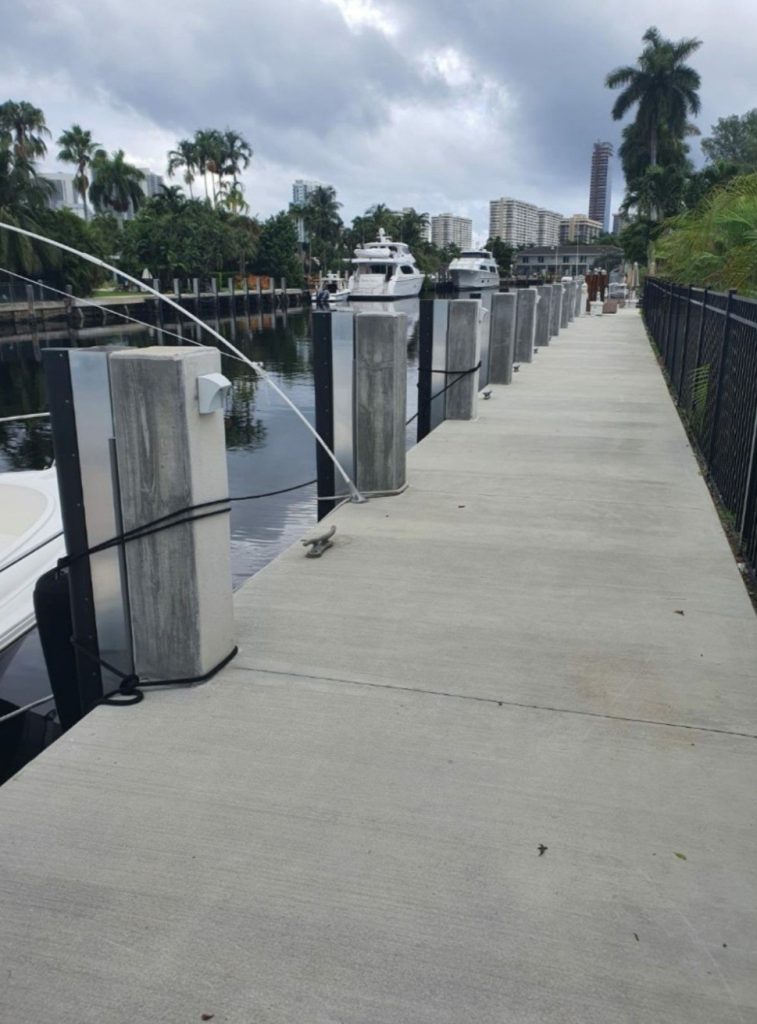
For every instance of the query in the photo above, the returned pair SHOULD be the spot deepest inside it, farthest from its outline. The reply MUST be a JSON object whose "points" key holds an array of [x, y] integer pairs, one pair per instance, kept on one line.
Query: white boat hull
{"points": [[339, 296], [30, 521], [470, 280], [375, 286]]}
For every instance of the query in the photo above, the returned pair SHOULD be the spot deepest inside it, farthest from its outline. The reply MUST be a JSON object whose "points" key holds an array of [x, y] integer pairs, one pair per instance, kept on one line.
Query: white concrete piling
{"points": [[543, 311], [565, 306], [462, 356], [170, 457], [502, 338], [525, 325], [380, 401], [555, 316]]}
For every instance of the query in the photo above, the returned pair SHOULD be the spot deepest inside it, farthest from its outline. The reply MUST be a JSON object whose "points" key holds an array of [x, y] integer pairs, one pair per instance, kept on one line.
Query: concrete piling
{"points": [[543, 311], [555, 315], [570, 300], [380, 390], [565, 306], [525, 324], [170, 456], [502, 338], [462, 356]]}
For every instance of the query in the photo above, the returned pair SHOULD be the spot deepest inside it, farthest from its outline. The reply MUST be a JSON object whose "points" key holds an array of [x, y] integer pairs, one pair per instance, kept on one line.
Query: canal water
{"points": [[267, 447]]}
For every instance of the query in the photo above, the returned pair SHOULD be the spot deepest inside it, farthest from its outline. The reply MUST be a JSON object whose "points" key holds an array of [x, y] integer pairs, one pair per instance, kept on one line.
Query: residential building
{"points": [[549, 227], [447, 229], [151, 183], [600, 189], [301, 189], [63, 196], [579, 228], [565, 261], [520, 223]]}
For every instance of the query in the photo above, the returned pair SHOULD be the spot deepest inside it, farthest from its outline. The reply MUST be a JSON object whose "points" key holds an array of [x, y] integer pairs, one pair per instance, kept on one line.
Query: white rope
{"points": [[356, 495], [26, 707], [28, 416]]}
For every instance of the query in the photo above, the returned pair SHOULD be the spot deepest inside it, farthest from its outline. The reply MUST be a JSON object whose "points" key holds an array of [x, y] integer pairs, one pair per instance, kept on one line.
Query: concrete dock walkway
{"points": [[490, 760]]}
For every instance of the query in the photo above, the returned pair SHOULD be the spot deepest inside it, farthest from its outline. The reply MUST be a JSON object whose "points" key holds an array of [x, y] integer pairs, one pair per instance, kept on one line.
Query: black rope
{"points": [[131, 688], [446, 373], [26, 554]]}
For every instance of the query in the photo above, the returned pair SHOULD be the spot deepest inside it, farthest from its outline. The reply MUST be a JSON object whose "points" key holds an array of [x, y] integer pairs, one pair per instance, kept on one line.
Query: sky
{"points": [[437, 104]]}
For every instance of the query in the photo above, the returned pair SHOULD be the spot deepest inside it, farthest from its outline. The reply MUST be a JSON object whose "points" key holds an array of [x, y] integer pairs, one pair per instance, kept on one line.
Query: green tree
{"points": [[236, 154], [65, 226], [185, 157], [734, 141], [23, 200], [117, 185], [76, 146], [277, 250], [413, 227], [663, 88], [716, 243], [196, 241], [208, 143], [636, 238], [106, 236], [22, 126], [503, 255]]}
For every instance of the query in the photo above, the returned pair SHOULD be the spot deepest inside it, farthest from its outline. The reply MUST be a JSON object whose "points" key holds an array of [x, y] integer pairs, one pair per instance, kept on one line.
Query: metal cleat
{"points": [[319, 542], [486, 394]]}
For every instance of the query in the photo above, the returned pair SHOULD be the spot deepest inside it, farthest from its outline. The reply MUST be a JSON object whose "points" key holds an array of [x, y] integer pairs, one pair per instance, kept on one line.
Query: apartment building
{"points": [[579, 228], [520, 223], [600, 185], [447, 229]]}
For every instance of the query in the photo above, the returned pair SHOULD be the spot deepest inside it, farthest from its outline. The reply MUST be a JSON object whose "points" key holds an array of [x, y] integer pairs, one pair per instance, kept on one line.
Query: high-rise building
{"points": [[579, 228], [519, 223], [447, 229], [619, 221], [549, 227], [600, 190], [151, 183], [301, 189]]}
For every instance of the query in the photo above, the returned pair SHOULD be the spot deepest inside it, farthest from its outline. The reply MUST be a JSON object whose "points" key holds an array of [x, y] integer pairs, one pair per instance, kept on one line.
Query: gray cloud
{"points": [[437, 104]]}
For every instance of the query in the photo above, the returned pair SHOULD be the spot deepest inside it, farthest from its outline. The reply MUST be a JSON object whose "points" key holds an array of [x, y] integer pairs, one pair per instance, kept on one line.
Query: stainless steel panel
{"points": [[484, 336], [439, 361], [343, 368], [94, 431]]}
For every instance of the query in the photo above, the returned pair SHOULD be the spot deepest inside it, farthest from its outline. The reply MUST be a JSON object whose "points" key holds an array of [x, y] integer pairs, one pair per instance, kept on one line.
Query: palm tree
{"points": [[413, 226], [23, 201], [236, 154], [77, 147], [209, 146], [169, 199], [117, 184], [320, 216], [23, 126], [661, 85], [230, 197], [185, 155]]}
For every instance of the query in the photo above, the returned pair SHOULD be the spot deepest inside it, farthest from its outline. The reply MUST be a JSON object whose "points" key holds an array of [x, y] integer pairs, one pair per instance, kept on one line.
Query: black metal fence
{"points": [[708, 342]]}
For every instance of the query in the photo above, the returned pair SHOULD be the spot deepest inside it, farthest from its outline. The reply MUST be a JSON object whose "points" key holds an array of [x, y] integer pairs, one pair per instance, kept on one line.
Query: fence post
{"points": [[196, 289], [685, 344], [721, 374], [525, 324], [700, 337], [214, 289], [750, 490], [462, 356], [232, 297], [666, 329], [246, 297], [158, 303], [380, 390], [502, 343], [674, 331]]}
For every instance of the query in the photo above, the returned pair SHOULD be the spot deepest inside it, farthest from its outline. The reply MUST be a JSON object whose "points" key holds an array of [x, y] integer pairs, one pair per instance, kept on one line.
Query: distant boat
{"points": [[384, 270], [336, 286], [474, 268], [31, 542]]}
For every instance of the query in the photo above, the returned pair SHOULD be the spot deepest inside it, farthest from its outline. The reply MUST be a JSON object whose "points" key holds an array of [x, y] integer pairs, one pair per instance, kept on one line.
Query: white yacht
{"points": [[384, 270], [474, 268], [31, 542]]}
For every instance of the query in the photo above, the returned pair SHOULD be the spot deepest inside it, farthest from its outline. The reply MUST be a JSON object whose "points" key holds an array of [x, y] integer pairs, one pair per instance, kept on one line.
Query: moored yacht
{"points": [[384, 270], [474, 268], [31, 542]]}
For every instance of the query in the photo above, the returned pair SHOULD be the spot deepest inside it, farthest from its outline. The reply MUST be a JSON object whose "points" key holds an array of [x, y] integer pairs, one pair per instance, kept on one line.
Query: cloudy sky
{"points": [[437, 104]]}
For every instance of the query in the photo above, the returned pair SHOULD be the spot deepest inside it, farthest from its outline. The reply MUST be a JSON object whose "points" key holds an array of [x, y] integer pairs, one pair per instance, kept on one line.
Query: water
{"points": [[267, 447]]}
